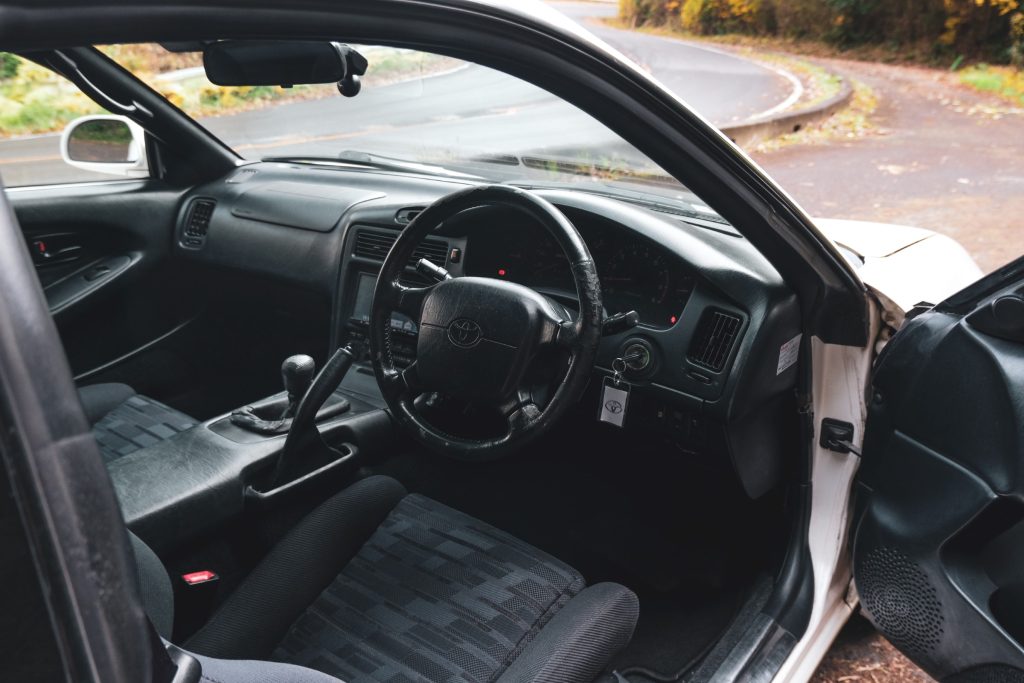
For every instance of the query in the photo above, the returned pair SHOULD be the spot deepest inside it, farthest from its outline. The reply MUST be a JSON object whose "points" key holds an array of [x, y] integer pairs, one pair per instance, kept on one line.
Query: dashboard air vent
{"points": [[199, 214], [713, 341], [375, 245]]}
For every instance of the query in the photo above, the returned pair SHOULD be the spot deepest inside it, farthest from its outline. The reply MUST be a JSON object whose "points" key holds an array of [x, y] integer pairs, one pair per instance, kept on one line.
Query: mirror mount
{"points": [[355, 68]]}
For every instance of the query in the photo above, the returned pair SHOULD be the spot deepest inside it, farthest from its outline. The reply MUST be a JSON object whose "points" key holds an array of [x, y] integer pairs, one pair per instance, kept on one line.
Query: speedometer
{"points": [[636, 275]]}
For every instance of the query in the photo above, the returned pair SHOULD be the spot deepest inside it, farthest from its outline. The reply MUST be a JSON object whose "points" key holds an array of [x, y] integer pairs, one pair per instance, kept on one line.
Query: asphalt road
{"points": [[471, 110], [724, 88]]}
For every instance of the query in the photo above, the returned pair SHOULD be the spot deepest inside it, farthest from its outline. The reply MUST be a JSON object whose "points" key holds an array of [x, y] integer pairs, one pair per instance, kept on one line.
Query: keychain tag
{"points": [[614, 402]]}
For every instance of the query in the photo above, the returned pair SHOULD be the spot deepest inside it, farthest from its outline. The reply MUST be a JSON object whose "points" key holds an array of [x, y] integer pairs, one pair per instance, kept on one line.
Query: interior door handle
{"points": [[45, 253]]}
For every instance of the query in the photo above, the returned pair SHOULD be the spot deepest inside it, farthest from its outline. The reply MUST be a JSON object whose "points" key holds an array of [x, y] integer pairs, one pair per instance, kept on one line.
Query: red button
{"points": [[194, 578]]}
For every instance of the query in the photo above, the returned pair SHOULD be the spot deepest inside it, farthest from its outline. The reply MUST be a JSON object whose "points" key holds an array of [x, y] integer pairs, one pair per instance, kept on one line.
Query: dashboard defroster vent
{"points": [[375, 245], [713, 341]]}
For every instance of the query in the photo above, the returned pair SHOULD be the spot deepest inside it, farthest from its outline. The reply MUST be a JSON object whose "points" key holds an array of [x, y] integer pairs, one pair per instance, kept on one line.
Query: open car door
{"points": [[939, 544]]}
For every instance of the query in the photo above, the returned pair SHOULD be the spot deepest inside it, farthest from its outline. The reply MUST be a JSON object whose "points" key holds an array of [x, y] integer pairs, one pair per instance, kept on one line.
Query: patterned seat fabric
{"points": [[434, 595], [135, 423]]}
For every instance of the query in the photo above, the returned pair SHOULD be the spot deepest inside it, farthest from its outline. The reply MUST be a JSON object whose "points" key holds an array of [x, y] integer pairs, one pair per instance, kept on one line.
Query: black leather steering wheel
{"points": [[477, 336]]}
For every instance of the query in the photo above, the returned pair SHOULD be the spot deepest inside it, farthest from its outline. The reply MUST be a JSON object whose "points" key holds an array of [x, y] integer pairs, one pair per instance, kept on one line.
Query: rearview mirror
{"points": [[105, 144], [282, 62]]}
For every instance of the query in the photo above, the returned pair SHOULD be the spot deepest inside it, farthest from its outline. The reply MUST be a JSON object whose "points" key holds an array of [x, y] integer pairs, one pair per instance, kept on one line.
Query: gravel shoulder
{"points": [[938, 155]]}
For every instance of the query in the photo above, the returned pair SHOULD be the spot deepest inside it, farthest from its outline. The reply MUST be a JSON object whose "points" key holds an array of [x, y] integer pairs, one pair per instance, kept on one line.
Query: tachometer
{"points": [[636, 275]]}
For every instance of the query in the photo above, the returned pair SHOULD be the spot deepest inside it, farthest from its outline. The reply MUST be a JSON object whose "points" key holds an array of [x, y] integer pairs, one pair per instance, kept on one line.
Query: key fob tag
{"points": [[614, 402]]}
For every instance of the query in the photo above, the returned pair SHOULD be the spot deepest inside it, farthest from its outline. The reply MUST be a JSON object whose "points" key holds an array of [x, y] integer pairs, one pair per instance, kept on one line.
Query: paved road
{"points": [[940, 156], [722, 87], [470, 111]]}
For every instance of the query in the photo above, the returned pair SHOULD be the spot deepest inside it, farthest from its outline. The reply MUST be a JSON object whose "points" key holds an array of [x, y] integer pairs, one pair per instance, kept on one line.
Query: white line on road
{"points": [[794, 96]]}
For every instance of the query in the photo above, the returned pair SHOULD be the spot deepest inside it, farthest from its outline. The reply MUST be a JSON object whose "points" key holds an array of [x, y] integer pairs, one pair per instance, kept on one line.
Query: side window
{"points": [[36, 106]]}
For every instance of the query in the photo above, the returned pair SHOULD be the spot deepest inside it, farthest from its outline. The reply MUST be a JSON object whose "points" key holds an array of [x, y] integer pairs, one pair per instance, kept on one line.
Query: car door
{"points": [[939, 542], [100, 231]]}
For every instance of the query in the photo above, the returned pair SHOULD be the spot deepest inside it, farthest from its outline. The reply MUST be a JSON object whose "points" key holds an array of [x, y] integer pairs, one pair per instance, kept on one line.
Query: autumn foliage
{"points": [[987, 29]]}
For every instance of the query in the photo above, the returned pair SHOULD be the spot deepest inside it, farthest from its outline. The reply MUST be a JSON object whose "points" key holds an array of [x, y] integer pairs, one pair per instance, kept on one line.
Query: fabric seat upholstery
{"points": [[124, 421], [379, 586]]}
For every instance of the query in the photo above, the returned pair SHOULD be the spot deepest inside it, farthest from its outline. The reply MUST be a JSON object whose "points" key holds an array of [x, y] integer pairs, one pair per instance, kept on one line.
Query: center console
{"points": [[404, 330]]}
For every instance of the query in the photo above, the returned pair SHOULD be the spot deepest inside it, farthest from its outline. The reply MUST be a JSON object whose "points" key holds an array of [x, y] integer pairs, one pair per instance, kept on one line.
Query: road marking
{"points": [[22, 160]]}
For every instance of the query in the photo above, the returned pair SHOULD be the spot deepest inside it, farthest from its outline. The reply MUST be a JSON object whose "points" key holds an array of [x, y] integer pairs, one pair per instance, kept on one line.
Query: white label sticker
{"points": [[614, 402], [788, 354]]}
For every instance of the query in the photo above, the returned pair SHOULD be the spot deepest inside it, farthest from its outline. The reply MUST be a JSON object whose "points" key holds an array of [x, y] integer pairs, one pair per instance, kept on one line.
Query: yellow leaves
{"points": [[719, 16]]}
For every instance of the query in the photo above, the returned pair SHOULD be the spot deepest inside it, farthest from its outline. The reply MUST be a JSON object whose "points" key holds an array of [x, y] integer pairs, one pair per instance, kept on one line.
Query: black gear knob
{"points": [[297, 373]]}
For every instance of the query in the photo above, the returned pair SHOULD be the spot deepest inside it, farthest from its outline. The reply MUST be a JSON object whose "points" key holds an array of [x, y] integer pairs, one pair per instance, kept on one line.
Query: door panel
{"points": [[102, 253], [939, 547]]}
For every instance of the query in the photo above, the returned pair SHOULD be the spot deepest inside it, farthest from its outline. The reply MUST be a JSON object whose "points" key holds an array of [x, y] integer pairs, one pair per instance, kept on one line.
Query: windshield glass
{"points": [[446, 115]]}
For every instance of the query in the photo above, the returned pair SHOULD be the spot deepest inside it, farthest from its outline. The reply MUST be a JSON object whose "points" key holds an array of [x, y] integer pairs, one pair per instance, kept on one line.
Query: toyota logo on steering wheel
{"points": [[464, 333]]}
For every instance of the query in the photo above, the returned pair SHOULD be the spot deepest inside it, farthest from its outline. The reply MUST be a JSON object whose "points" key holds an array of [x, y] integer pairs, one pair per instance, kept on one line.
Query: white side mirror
{"points": [[105, 144]]}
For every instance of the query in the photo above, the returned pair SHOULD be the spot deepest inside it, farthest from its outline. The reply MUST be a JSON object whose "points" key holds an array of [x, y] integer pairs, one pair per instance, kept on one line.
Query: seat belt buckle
{"points": [[199, 578], [195, 597]]}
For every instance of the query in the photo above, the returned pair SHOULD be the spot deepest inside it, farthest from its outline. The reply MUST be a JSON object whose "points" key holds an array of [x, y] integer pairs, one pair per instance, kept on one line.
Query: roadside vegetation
{"points": [[936, 32], [982, 41], [1006, 82], [35, 100]]}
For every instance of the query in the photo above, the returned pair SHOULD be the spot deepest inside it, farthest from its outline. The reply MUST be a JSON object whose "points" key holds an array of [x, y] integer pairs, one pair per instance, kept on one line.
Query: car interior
{"points": [[326, 391]]}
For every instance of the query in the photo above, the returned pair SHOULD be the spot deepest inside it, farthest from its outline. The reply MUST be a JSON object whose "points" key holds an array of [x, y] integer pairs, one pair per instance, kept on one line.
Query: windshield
{"points": [[445, 115]]}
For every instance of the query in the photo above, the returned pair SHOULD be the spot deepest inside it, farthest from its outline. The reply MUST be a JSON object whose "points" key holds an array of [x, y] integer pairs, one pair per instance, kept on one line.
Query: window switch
{"points": [[96, 272]]}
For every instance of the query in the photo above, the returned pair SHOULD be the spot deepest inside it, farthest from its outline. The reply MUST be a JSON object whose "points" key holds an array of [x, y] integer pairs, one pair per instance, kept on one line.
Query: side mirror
{"points": [[105, 144]]}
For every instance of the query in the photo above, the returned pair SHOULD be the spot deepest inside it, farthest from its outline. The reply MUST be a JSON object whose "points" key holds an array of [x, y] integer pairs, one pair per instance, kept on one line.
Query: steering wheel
{"points": [[477, 335]]}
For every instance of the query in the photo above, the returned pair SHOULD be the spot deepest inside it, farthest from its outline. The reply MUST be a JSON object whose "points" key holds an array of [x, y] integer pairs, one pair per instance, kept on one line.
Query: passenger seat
{"points": [[124, 421]]}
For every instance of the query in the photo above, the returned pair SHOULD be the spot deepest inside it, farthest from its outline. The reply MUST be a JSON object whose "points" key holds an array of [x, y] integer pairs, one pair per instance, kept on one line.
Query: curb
{"points": [[759, 130]]}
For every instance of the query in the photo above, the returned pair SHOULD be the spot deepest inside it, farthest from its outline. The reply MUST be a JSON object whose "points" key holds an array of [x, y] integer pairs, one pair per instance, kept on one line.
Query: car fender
{"points": [[902, 265]]}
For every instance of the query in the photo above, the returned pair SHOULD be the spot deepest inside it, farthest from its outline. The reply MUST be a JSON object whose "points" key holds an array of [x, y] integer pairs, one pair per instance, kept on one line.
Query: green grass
{"points": [[1004, 81]]}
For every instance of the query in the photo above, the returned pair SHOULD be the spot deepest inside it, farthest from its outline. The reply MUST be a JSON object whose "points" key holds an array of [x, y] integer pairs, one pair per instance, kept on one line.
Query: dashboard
{"points": [[717, 323]]}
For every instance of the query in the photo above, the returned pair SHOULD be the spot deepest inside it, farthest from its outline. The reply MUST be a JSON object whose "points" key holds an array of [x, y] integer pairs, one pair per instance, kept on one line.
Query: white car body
{"points": [[901, 266]]}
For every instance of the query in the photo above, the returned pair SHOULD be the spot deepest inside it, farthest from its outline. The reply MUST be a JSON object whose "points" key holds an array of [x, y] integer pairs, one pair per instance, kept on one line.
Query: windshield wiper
{"points": [[378, 161]]}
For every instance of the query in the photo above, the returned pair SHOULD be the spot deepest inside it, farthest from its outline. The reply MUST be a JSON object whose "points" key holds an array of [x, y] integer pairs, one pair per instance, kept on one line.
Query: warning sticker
{"points": [[788, 354]]}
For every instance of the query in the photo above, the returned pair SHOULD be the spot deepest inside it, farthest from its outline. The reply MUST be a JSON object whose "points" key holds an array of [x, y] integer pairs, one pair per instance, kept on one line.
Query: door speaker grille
{"points": [[901, 601]]}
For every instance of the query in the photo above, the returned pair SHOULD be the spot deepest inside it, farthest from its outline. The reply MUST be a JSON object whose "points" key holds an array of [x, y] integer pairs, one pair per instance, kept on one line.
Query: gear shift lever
{"points": [[297, 372], [275, 414]]}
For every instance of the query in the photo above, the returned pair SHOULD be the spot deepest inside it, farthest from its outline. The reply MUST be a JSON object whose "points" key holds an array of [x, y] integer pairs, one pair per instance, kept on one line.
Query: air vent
{"points": [[714, 339], [198, 222], [375, 245]]}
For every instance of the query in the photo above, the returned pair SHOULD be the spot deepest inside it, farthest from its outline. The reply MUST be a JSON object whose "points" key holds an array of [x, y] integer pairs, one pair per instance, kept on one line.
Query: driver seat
{"points": [[376, 585]]}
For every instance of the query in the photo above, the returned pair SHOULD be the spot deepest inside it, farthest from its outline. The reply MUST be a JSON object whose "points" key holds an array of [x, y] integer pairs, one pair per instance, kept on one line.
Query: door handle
{"points": [[45, 252]]}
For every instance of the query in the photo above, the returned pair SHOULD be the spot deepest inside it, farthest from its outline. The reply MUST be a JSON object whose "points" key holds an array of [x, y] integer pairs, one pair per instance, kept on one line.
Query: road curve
{"points": [[723, 88]]}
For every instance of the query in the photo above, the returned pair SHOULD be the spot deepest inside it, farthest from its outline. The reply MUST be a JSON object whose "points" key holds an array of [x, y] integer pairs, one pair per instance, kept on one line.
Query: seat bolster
{"points": [[258, 614], [252, 671], [580, 640], [99, 399]]}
